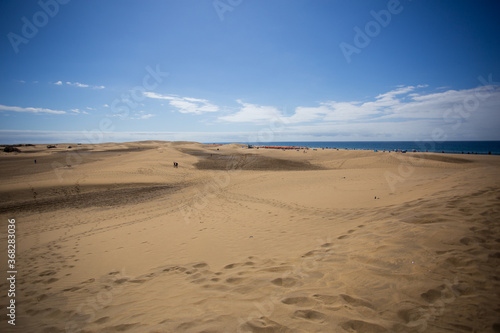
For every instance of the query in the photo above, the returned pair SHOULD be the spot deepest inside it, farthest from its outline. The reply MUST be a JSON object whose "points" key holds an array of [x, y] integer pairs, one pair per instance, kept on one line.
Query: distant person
{"points": [[35, 161]]}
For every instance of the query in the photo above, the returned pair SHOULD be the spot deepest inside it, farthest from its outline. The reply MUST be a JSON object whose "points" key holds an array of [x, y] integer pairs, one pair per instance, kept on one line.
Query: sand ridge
{"points": [[232, 246]]}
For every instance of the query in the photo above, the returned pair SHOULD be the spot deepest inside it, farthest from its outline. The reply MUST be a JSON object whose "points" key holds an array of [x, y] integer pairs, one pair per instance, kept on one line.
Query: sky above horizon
{"points": [[249, 71]]}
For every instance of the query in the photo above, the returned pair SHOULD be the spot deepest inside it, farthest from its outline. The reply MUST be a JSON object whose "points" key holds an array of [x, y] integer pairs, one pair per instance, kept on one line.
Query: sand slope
{"points": [[112, 238]]}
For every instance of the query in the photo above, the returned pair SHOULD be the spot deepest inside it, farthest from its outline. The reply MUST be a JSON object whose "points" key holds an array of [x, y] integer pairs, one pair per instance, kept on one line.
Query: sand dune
{"points": [[112, 238]]}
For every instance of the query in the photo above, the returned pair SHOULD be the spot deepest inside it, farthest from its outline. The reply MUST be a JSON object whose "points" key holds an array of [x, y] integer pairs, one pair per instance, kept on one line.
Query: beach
{"points": [[113, 238]]}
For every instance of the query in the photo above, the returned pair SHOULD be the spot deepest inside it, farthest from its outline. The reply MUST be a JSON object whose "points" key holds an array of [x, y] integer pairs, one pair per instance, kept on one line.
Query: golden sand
{"points": [[113, 238]]}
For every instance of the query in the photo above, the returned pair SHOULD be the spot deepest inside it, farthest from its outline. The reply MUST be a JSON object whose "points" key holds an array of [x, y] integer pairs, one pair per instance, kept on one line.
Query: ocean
{"points": [[453, 147]]}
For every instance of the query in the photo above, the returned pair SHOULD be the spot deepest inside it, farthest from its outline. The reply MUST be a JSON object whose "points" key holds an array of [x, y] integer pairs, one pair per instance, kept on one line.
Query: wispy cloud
{"points": [[29, 109], [404, 113], [186, 104], [404, 102], [142, 115], [253, 113], [79, 111], [78, 84]]}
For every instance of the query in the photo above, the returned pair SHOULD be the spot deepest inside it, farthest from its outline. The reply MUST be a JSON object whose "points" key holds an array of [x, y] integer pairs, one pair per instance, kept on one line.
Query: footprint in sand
{"points": [[431, 295], [362, 327], [234, 280], [284, 282], [200, 265], [263, 324], [47, 273], [310, 315], [88, 281], [299, 301], [279, 268], [410, 315], [327, 299], [357, 301]]}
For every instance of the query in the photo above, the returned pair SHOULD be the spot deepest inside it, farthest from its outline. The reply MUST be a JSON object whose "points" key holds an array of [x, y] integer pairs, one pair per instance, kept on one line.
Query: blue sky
{"points": [[241, 70]]}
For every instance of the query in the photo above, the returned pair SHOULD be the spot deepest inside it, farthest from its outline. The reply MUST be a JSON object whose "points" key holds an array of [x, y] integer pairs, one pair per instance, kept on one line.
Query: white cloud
{"points": [[30, 109], [158, 96], [79, 111], [79, 85], [405, 113], [253, 113], [186, 104], [449, 104], [305, 114], [400, 103]]}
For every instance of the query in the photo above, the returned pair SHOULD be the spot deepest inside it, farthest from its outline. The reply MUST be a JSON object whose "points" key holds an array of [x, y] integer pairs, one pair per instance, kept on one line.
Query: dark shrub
{"points": [[10, 149]]}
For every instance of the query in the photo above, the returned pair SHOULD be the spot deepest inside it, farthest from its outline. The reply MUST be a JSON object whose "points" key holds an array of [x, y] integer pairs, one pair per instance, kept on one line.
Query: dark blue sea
{"points": [[455, 147]]}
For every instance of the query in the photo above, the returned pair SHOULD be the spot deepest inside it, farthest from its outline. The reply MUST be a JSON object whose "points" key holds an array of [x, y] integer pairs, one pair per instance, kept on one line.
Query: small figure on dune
{"points": [[35, 161], [176, 164]]}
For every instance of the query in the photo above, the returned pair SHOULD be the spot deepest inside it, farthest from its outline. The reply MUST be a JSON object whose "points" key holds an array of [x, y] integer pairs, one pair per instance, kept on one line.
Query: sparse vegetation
{"points": [[19, 145], [11, 149]]}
